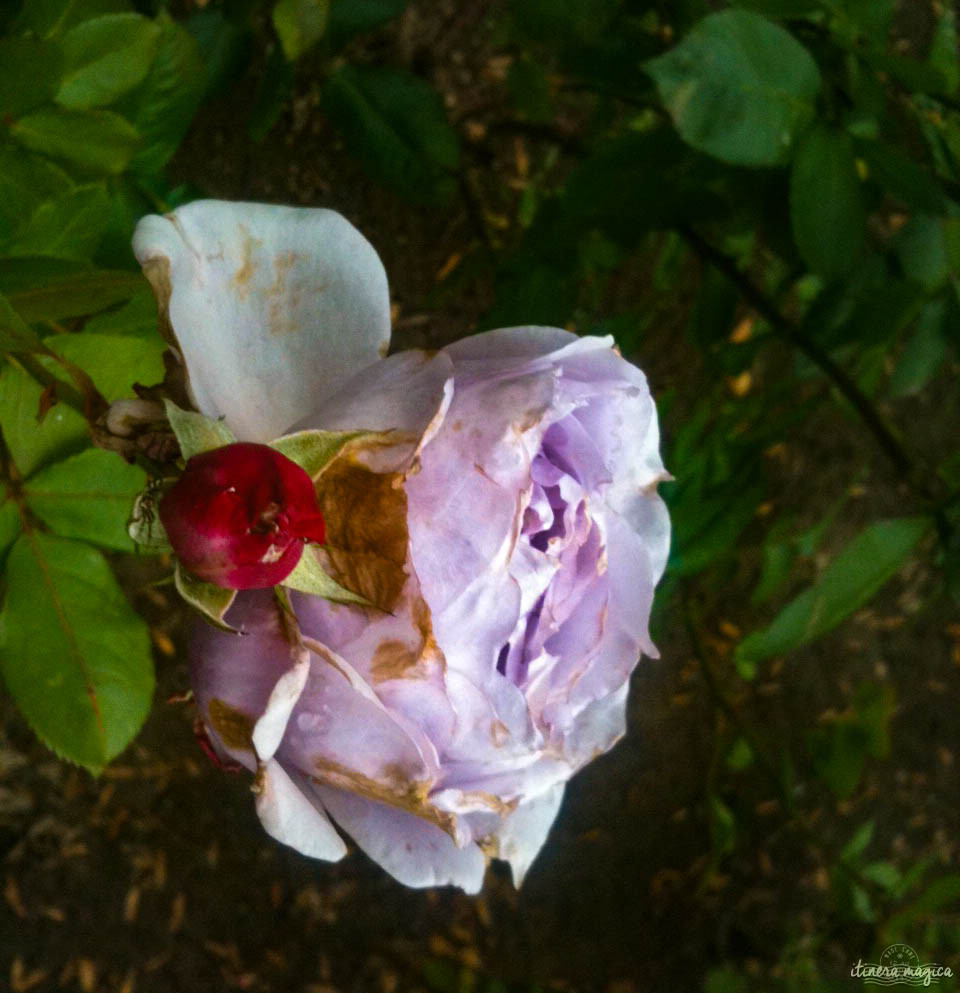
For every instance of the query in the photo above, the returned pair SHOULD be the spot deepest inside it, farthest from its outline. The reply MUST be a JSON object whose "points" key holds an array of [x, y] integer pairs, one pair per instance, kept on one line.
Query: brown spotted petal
{"points": [[271, 307]]}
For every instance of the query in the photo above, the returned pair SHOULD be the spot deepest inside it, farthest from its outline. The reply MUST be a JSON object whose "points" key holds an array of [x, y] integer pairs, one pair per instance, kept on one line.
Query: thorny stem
{"points": [[844, 383]]}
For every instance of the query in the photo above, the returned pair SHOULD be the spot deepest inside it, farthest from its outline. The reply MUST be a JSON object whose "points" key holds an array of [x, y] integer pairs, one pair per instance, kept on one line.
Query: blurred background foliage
{"points": [[760, 199]]}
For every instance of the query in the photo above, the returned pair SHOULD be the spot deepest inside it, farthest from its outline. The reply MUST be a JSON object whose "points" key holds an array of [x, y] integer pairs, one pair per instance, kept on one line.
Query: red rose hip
{"points": [[240, 515]]}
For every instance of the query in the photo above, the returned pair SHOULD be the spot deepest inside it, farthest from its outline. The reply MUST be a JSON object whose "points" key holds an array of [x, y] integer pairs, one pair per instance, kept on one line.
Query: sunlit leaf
{"points": [[87, 496], [164, 105], [104, 58], [114, 362], [69, 227], [74, 655], [32, 442], [10, 523], [95, 140], [54, 297]]}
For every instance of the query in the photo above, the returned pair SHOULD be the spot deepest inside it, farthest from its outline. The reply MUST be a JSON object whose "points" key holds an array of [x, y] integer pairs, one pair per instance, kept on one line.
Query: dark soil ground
{"points": [[158, 877]]}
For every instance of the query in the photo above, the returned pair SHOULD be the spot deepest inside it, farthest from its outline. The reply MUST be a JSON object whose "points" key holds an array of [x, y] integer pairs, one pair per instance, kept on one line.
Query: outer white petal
{"points": [[412, 850], [270, 727], [290, 814], [525, 830], [273, 307]]}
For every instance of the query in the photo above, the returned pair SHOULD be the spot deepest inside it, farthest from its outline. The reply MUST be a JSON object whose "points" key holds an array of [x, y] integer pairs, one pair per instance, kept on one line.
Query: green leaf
{"points": [[113, 362], [299, 24], [779, 8], [942, 892], [196, 432], [739, 88], [105, 57], [95, 140], [87, 496], [397, 126], [53, 298], [859, 843], [163, 107], [314, 450], [15, 335], [69, 227], [136, 317], [212, 601], [10, 524], [74, 655], [723, 827], [309, 577], [26, 181], [925, 352], [850, 580], [740, 755], [350, 17], [942, 57], [839, 753], [922, 251], [826, 203], [884, 874], [30, 71], [51, 18], [31, 442], [902, 176]]}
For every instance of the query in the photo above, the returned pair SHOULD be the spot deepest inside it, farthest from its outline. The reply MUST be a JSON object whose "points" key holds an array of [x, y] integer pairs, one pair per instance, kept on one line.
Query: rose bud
{"points": [[239, 516]]}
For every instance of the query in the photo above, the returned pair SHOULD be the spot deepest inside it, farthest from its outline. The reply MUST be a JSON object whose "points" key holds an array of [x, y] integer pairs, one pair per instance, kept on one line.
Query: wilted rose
{"points": [[506, 532], [239, 516]]}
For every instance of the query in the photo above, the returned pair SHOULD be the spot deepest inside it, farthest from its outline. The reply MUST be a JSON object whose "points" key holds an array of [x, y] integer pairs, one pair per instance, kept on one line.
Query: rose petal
{"points": [[412, 850], [233, 675], [407, 395], [290, 813], [524, 832], [270, 728], [272, 307]]}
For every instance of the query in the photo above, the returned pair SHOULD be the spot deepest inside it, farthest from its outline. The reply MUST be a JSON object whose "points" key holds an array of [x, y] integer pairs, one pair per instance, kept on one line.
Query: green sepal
{"points": [[309, 577], [212, 601], [313, 451], [196, 432]]}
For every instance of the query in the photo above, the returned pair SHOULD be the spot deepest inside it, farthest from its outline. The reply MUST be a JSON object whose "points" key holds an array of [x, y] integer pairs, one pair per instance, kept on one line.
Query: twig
{"points": [[790, 330]]}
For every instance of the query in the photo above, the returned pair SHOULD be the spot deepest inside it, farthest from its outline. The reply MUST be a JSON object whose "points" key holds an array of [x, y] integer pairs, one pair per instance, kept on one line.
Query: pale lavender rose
{"points": [[507, 529]]}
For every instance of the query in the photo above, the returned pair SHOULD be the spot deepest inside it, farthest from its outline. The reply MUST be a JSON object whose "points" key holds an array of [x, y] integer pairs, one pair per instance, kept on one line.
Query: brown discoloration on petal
{"points": [[366, 518], [284, 298], [242, 277], [395, 789], [395, 659], [499, 733], [234, 727], [157, 271], [392, 660]]}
